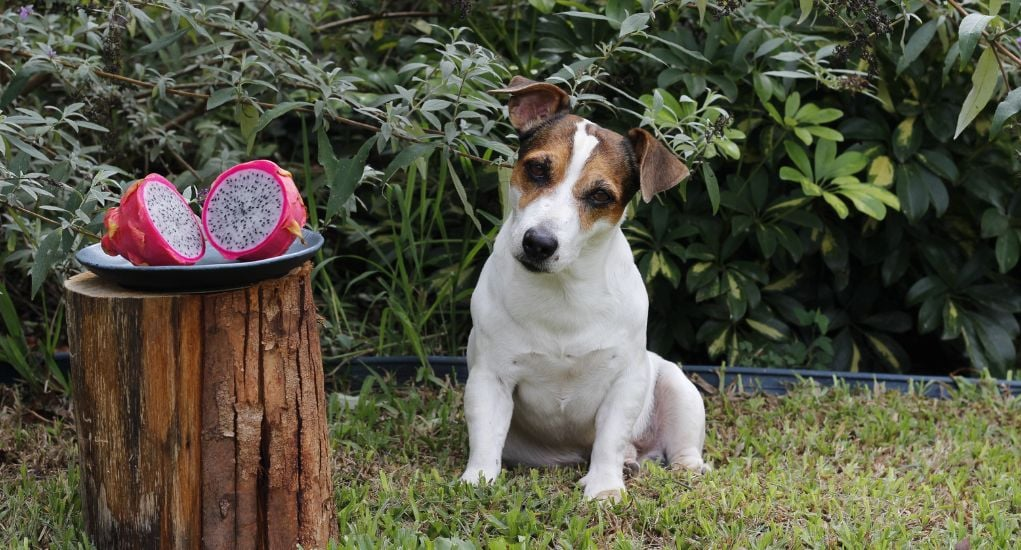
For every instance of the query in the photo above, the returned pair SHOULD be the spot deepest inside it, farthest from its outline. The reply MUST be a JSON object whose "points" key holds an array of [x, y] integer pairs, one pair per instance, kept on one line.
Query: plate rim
{"points": [[308, 234]]}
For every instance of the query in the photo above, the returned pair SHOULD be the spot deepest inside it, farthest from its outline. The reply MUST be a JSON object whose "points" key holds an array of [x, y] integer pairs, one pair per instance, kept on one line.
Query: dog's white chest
{"points": [[558, 395]]}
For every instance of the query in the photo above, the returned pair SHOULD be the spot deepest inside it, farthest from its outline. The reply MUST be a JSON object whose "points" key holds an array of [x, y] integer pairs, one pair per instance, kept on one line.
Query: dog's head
{"points": [[573, 179]]}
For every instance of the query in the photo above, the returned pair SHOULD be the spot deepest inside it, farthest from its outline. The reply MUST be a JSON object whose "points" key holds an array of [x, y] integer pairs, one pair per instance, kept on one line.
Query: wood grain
{"points": [[201, 417]]}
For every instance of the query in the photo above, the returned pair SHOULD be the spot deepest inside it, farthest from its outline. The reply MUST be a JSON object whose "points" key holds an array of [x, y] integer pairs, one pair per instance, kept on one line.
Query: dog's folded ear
{"points": [[658, 168], [532, 102]]}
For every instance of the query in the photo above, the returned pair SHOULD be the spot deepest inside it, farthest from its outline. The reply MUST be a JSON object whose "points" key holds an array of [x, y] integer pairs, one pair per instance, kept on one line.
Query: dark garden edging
{"points": [[741, 379]]}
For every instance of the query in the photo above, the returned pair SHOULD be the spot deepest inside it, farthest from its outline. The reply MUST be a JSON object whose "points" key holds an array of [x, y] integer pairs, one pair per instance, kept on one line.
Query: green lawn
{"points": [[819, 467]]}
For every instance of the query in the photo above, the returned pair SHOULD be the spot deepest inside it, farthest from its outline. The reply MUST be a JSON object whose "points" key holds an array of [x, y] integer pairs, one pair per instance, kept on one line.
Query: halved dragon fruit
{"points": [[153, 225], [253, 211]]}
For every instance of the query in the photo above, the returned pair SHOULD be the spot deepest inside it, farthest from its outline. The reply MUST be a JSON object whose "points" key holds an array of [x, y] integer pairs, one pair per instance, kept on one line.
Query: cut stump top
{"points": [[91, 285]]}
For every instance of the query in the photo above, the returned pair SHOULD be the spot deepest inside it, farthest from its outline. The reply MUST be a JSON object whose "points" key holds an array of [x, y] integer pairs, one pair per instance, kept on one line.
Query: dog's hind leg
{"points": [[679, 418]]}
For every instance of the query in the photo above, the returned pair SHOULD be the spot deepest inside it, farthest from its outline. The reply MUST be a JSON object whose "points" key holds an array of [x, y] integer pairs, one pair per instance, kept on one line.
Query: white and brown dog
{"points": [[558, 369]]}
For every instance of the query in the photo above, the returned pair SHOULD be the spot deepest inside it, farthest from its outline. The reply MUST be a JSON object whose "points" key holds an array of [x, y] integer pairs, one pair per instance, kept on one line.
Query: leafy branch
{"points": [[181, 92]]}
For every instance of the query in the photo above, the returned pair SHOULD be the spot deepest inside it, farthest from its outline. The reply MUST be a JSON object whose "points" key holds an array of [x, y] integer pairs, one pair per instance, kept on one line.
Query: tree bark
{"points": [[201, 418]]}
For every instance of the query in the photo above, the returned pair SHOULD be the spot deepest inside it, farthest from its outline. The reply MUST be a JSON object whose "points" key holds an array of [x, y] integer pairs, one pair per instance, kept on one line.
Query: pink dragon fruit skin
{"points": [[153, 225], [253, 211]]}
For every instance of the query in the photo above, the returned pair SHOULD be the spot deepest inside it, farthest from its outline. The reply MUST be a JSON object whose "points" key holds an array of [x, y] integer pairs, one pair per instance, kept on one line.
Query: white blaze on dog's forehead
{"points": [[584, 144]]}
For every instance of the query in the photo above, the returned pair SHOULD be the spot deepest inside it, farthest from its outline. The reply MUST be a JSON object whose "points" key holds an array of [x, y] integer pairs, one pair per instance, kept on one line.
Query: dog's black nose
{"points": [[539, 244]]}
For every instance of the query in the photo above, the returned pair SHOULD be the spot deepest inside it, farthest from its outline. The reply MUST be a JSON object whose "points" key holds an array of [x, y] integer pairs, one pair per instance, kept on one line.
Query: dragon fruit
{"points": [[253, 211], [153, 225]]}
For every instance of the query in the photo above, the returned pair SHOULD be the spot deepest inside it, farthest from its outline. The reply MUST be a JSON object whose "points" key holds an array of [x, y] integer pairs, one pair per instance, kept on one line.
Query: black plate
{"points": [[210, 273]]}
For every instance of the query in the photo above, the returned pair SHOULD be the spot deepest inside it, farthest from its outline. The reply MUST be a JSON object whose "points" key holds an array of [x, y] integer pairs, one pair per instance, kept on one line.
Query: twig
{"points": [[375, 17], [1003, 71], [51, 221], [184, 163], [1008, 29], [181, 119]]}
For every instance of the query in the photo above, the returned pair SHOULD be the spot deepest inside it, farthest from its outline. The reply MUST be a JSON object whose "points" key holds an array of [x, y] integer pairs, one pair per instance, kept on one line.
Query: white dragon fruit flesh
{"points": [[253, 211], [153, 225]]}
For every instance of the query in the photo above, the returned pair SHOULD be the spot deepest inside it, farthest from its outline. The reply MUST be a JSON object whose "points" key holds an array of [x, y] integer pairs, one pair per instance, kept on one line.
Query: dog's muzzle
{"points": [[538, 245]]}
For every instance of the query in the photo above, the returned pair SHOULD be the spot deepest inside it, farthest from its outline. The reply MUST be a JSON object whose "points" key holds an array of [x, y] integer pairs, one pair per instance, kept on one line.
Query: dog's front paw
{"points": [[472, 476], [692, 464], [602, 487]]}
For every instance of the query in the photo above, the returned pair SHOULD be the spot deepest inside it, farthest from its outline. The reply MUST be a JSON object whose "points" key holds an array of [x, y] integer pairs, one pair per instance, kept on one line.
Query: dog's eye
{"points": [[538, 171], [600, 197]]}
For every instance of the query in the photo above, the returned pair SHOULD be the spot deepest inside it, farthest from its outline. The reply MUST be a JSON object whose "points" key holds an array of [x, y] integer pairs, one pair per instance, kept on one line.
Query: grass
{"points": [[816, 468]]}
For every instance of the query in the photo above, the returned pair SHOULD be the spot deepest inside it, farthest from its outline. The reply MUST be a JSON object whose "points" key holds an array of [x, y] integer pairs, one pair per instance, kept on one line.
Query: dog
{"points": [[558, 369]]}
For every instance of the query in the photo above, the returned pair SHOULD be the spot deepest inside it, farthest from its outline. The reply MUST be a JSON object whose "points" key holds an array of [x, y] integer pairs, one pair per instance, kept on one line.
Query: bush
{"points": [[853, 205]]}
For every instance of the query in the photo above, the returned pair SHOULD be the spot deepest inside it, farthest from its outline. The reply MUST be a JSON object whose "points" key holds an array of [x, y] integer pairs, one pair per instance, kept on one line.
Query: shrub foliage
{"points": [[854, 201]]}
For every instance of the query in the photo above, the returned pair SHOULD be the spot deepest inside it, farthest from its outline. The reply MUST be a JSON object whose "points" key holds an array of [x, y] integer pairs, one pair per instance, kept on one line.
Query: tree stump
{"points": [[201, 418]]}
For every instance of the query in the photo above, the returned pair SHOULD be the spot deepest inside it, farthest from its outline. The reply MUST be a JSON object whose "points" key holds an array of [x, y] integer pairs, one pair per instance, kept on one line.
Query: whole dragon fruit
{"points": [[253, 211], [153, 225]]}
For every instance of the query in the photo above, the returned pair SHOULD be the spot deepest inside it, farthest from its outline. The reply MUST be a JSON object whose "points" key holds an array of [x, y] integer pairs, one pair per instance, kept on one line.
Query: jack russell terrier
{"points": [[558, 369]]}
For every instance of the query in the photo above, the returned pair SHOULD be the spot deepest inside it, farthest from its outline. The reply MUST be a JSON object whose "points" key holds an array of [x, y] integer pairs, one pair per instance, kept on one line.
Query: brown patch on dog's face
{"points": [[607, 180], [542, 160]]}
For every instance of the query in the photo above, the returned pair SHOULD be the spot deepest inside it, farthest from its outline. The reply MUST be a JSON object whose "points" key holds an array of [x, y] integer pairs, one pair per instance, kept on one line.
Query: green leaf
{"points": [[1006, 109], [806, 8], [884, 352], [342, 175], [881, 171], [804, 135], [544, 6], [823, 132], [248, 117], [800, 158], [407, 156], [846, 164], [863, 201], [1007, 248], [881, 195], [718, 345], [983, 85], [463, 195], [916, 45], [764, 90], [994, 223], [701, 5], [812, 114], [47, 254], [790, 74], [952, 54], [998, 343], [838, 205], [276, 112], [435, 105], [940, 163], [912, 191], [969, 32], [792, 105], [907, 138], [633, 23], [938, 196], [764, 329], [923, 288], [768, 46], [18, 83], [825, 154], [773, 113], [791, 174], [712, 187], [219, 97], [162, 43]]}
